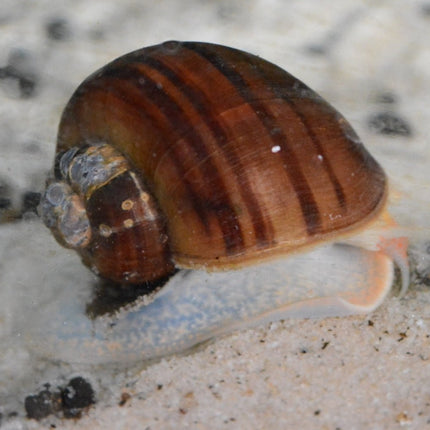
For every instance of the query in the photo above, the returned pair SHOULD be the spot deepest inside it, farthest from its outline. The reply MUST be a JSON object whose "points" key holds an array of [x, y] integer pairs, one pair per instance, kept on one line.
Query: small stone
{"points": [[19, 74], [58, 29], [386, 98], [77, 395], [46, 402], [389, 123], [30, 201]]}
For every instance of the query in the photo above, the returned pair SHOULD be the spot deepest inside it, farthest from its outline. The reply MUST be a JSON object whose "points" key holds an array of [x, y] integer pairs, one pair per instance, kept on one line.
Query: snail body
{"points": [[194, 155], [195, 305]]}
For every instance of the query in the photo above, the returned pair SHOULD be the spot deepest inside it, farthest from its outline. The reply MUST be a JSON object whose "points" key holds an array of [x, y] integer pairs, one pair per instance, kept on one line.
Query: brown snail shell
{"points": [[216, 158]]}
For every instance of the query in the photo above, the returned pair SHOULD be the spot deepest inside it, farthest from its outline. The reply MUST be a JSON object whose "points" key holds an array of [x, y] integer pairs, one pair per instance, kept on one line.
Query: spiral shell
{"points": [[197, 155]]}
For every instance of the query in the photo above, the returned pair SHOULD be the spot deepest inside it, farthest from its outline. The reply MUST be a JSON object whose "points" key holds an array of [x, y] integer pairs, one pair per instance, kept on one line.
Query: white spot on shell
{"points": [[105, 230], [320, 157], [333, 216], [163, 238], [128, 223], [129, 276], [127, 205], [276, 149], [144, 197]]}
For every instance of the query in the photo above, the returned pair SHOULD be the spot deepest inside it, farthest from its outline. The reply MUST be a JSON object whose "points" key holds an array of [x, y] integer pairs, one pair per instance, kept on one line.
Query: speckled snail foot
{"points": [[202, 157]]}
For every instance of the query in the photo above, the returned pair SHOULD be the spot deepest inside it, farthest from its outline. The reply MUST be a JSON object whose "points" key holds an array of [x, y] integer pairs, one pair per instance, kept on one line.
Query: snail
{"points": [[209, 159]]}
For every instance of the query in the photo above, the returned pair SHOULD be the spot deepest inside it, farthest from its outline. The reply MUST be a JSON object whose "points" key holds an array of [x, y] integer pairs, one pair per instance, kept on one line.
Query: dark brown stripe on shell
{"points": [[308, 204], [132, 246], [263, 229], [340, 195], [225, 214]]}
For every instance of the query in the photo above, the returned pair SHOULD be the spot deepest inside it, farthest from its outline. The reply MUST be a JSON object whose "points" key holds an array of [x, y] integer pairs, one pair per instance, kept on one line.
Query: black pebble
{"points": [[58, 29], [30, 201], [316, 49], [389, 123], [386, 98], [21, 69], [27, 86], [425, 9], [71, 400], [78, 394], [44, 403], [6, 210], [5, 202]]}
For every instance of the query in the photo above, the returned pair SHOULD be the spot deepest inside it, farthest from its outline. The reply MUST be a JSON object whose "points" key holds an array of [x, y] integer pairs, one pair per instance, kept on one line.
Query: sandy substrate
{"points": [[372, 62]]}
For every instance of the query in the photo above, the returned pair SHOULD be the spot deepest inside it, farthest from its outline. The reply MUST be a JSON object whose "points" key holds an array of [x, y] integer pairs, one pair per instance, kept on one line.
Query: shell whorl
{"points": [[98, 205]]}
